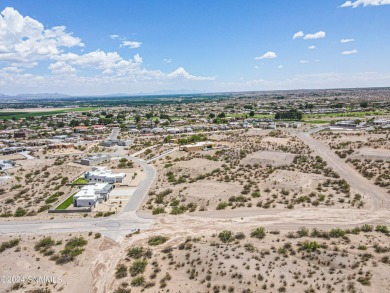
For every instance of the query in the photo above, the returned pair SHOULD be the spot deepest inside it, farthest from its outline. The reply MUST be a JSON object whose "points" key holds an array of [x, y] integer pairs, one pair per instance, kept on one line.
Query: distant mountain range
{"points": [[35, 96], [165, 92], [61, 96]]}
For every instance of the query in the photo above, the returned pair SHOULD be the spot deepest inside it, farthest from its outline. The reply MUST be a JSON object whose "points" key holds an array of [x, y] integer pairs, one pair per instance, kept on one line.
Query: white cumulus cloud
{"points": [[346, 41], [268, 55], [137, 58], [62, 68], [298, 35], [26, 40], [25, 43], [357, 3], [312, 47], [181, 72], [317, 35], [131, 44], [354, 51]]}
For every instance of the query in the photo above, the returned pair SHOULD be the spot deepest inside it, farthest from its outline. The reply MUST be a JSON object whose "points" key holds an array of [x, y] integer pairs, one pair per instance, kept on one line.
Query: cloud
{"points": [[312, 47], [97, 59], [131, 44], [346, 41], [354, 51], [26, 43], [268, 55], [365, 3], [26, 40], [298, 35], [167, 60], [137, 58], [304, 61], [181, 72], [317, 35], [280, 66], [61, 68]]}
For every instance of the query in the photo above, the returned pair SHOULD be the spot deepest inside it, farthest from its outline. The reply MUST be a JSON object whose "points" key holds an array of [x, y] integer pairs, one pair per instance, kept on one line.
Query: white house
{"points": [[94, 160], [102, 174], [89, 195], [6, 164]]}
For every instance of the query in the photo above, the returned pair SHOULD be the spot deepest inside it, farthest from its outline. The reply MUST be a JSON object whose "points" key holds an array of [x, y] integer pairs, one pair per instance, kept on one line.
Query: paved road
{"points": [[114, 133], [143, 188], [380, 200], [27, 156], [162, 155], [113, 227]]}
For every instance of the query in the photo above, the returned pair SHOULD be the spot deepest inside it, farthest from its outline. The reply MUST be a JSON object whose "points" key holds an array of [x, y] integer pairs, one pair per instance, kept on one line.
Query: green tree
{"points": [[221, 115]]}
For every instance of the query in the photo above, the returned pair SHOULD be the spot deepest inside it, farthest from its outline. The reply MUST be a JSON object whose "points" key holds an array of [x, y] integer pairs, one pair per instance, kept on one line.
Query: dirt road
{"points": [[379, 199]]}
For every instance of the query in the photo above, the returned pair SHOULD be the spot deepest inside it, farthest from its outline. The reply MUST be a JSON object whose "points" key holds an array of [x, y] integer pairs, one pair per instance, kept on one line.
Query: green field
{"points": [[21, 114], [316, 121], [347, 114], [80, 181], [260, 116], [66, 203]]}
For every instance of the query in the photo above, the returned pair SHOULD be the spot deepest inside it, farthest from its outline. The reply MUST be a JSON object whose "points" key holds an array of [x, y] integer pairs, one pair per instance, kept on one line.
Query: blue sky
{"points": [[76, 47]]}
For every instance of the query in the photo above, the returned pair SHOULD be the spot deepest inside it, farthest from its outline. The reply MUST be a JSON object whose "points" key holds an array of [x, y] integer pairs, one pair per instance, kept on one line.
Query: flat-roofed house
{"points": [[90, 195], [102, 174], [196, 147]]}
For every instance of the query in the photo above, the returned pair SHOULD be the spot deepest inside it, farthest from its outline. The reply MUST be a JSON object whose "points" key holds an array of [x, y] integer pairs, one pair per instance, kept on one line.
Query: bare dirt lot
{"points": [[25, 260]]}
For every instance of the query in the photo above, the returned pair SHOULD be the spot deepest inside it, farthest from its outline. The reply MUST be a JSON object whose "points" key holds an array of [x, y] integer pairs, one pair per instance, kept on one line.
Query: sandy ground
{"points": [[269, 157], [373, 154], [14, 157], [24, 261]]}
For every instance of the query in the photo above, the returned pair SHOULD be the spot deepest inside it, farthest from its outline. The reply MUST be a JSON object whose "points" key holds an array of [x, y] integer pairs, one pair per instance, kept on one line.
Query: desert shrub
{"points": [[255, 194], [157, 240], [121, 271], [138, 281], [310, 246], [135, 252], [158, 210], [337, 233], [138, 267], [303, 232], [226, 236], [73, 248], [9, 244], [239, 235], [382, 229], [258, 233], [20, 212], [366, 228], [44, 244], [222, 206]]}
